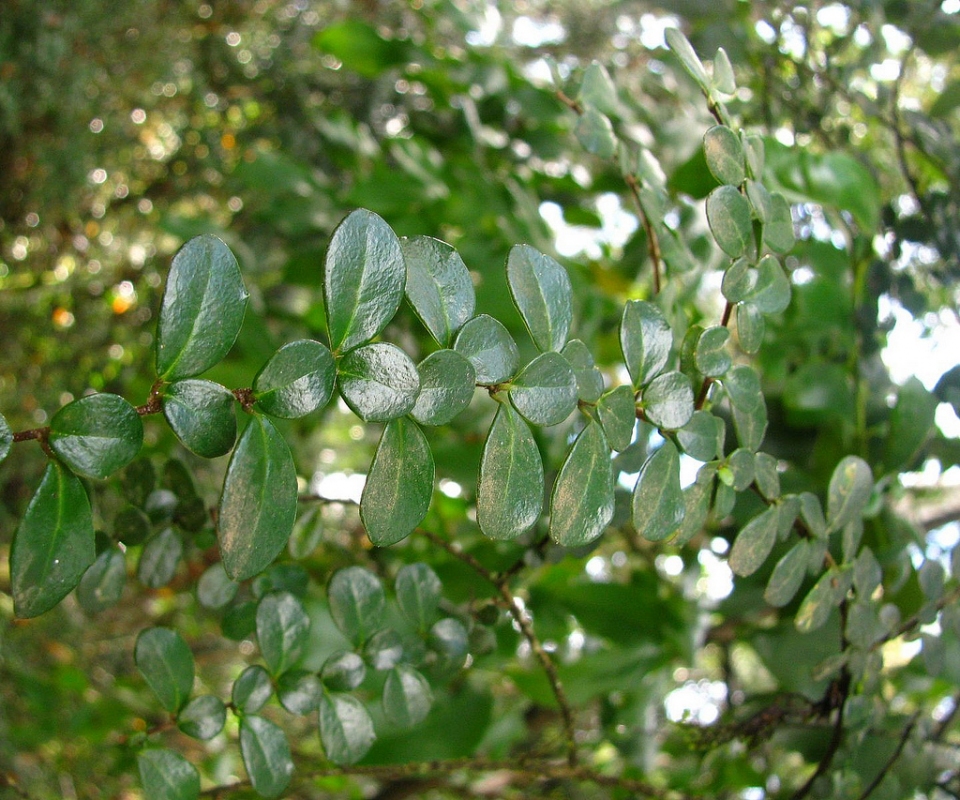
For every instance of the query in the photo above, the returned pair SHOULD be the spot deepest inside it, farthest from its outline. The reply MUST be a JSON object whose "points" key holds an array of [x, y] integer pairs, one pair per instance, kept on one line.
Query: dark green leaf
{"points": [[383, 650], [541, 291], [282, 630], [53, 545], [203, 717], [911, 422], [820, 601], [618, 415], [696, 505], [730, 220], [299, 691], [139, 479], [96, 435], [439, 287], [490, 348], [307, 533], [363, 279], [360, 48], [343, 671], [202, 310], [724, 154], [291, 578], [6, 438], [166, 664], [259, 501], [379, 382], [595, 133], [251, 689], [658, 501], [667, 400], [589, 378], [510, 487], [742, 464], [768, 478], [449, 639], [750, 327], [702, 437], [743, 387], [399, 485], [754, 542], [418, 594], [239, 620], [645, 339], [711, 356], [102, 584], [788, 575], [581, 505], [215, 589], [159, 559], [201, 414], [266, 755], [357, 603], [346, 729], [545, 392], [850, 488], [597, 89], [297, 380], [681, 46], [772, 291], [407, 697], [167, 775], [447, 382]]}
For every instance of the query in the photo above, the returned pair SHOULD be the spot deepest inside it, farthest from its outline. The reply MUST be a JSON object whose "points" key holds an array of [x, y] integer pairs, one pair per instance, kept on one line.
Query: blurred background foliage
{"points": [[127, 127]]}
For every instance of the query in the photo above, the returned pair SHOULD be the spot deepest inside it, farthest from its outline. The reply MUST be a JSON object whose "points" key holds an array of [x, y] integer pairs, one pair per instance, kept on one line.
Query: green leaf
{"points": [[357, 603], [820, 601], [595, 133], [750, 327], [297, 380], [399, 485], [778, 231], [754, 152], [447, 382], [439, 287], [343, 671], [597, 89], [754, 542], [931, 578], [363, 279], [201, 414], [449, 640], [203, 717], [667, 400], [730, 220], [418, 594], [282, 630], [768, 479], [166, 664], [772, 291], [850, 488], [407, 697], [618, 414], [102, 584], [589, 378], [167, 775], [696, 504], [379, 382], [658, 501], [723, 78], [788, 575], [739, 280], [258, 505], [96, 435], [760, 200], [215, 589], [702, 437], [681, 46], [743, 387], [490, 348], [266, 755], [645, 339], [308, 532], [384, 650], [360, 48], [711, 356], [6, 438], [239, 620], [159, 559], [724, 154], [202, 309], [742, 465], [911, 421], [581, 505], [541, 291], [53, 545], [510, 486], [545, 392], [251, 689], [299, 691], [346, 729]]}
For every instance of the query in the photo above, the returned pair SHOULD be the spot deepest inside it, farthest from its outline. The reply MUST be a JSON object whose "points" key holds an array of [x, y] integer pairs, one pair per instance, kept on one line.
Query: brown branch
{"points": [[653, 241], [894, 756], [836, 697], [917, 619], [34, 433]]}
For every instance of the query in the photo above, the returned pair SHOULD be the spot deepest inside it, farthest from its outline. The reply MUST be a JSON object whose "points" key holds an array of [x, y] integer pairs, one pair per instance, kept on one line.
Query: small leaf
{"points": [[850, 488], [742, 463], [739, 280], [667, 400], [778, 230], [724, 154], [768, 478], [597, 89], [696, 505], [788, 575], [490, 348], [618, 414], [750, 425], [203, 717], [723, 78], [439, 288], [702, 437], [363, 279], [251, 689], [343, 671], [581, 505], [760, 200], [711, 356], [646, 340], [545, 392], [658, 501], [166, 664], [379, 382], [159, 559], [541, 291], [167, 775], [589, 378], [418, 594], [53, 545], [239, 620], [215, 589], [753, 150], [399, 485], [510, 486], [258, 505], [357, 603], [754, 542], [772, 292], [820, 601], [730, 220], [383, 650], [680, 45], [266, 755], [346, 729], [867, 573], [102, 584], [282, 630], [6, 438], [595, 133], [96, 435], [743, 387], [447, 383], [201, 414], [202, 310], [299, 691], [449, 639], [297, 380], [407, 697], [931, 577], [750, 327], [911, 421]]}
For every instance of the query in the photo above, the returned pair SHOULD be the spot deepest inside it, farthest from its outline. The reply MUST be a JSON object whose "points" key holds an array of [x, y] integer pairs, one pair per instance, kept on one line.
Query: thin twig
{"points": [[843, 687], [944, 725], [878, 778], [653, 241]]}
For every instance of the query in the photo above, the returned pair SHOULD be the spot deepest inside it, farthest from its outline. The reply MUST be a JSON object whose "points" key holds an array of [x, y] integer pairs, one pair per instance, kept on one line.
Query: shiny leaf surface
{"points": [[379, 382], [346, 729], [658, 501], [447, 382], [203, 717], [266, 755], [439, 287], [251, 689], [166, 663], [724, 154], [589, 378], [96, 435], [645, 339], [159, 559], [102, 584], [618, 415], [541, 291], [297, 380], [167, 775], [545, 392], [407, 697], [581, 505], [490, 348], [668, 400], [730, 220], [357, 602], [201, 414], [282, 630], [418, 594]]}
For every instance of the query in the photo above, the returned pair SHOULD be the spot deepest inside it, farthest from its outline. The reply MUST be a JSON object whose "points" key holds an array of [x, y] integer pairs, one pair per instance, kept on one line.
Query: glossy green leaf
{"points": [[595, 133], [360, 48], [201, 414], [750, 327], [282, 630], [788, 575], [658, 501], [711, 356], [743, 387], [778, 230], [541, 291], [702, 437], [379, 382], [760, 200], [159, 559], [251, 689], [363, 279], [772, 291], [53, 545], [203, 717], [598, 90], [767, 476], [490, 348], [239, 620], [407, 697], [399, 485], [724, 154], [581, 505], [166, 664], [510, 487], [418, 594], [850, 488], [667, 400], [384, 650], [723, 79], [645, 339], [739, 280], [448, 638], [346, 729], [447, 383], [730, 220], [297, 380], [308, 533], [439, 287], [202, 310], [754, 152], [167, 775], [259, 501], [589, 378], [102, 584], [96, 435], [617, 410], [545, 392], [6, 438], [681, 46], [343, 671], [742, 465], [754, 542], [299, 691], [820, 601], [266, 755], [911, 422], [215, 589], [696, 505], [357, 603]]}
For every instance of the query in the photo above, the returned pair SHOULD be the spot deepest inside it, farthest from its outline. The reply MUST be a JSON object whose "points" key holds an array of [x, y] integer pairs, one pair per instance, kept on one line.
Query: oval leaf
{"points": [[545, 392], [297, 380], [379, 382], [617, 410], [738, 281], [215, 589], [6, 438], [788, 575], [826, 594], [595, 133], [343, 671], [282, 630], [850, 488], [97, 434], [668, 400], [597, 89], [251, 689], [201, 414], [299, 691], [589, 378], [750, 327], [418, 594], [724, 154], [772, 292], [581, 505], [541, 291], [711, 356], [646, 340], [447, 382], [730, 220], [680, 45], [490, 348], [159, 559], [778, 231], [754, 542], [203, 717], [406, 697], [346, 729], [166, 664], [357, 603], [266, 755], [167, 775], [702, 437], [102, 584], [439, 287], [658, 501]]}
